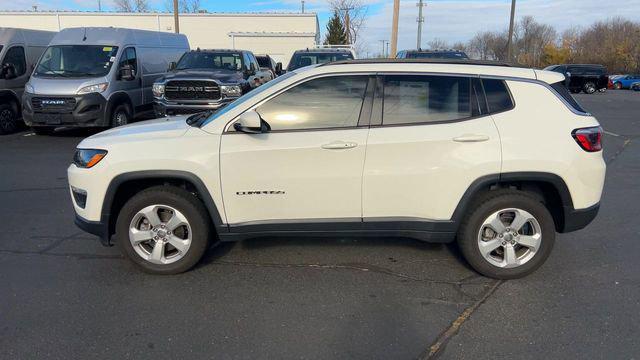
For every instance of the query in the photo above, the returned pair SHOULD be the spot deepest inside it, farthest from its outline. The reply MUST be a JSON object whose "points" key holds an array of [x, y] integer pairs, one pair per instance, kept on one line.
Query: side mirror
{"points": [[252, 68], [251, 123], [279, 69], [8, 72], [172, 66], [127, 73]]}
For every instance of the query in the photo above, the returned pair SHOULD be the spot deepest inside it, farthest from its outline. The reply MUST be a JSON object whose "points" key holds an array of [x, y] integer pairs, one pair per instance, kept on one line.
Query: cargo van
{"points": [[98, 77], [20, 50]]}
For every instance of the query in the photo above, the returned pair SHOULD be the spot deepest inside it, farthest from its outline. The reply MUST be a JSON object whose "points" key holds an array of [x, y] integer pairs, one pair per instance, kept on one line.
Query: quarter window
{"points": [[498, 96], [15, 56], [327, 102], [410, 99]]}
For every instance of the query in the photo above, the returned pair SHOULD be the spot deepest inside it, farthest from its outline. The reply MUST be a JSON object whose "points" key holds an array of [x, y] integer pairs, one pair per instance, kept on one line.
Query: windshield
{"points": [[76, 60], [248, 96], [207, 60], [305, 59], [263, 61], [437, 55]]}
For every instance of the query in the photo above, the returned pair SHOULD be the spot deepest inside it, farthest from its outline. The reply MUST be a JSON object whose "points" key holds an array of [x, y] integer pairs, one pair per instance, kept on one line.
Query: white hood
{"points": [[164, 128]]}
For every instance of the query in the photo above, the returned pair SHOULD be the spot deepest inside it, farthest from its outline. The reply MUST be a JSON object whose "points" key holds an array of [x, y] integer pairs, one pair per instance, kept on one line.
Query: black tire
{"points": [[121, 115], [590, 88], [8, 118], [490, 203], [189, 205], [617, 86], [43, 130]]}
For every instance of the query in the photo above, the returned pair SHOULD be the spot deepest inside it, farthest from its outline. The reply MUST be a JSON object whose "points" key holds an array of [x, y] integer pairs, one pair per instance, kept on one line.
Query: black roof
{"points": [[425, 61], [321, 50], [437, 51], [218, 50]]}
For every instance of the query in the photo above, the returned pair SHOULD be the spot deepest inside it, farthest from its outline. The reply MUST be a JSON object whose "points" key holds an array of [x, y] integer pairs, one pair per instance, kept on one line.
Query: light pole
{"points": [[420, 20], [394, 27], [510, 40], [176, 21]]}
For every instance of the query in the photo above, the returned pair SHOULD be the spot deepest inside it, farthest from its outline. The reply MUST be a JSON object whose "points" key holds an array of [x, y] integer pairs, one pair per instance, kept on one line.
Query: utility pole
{"points": [[394, 27], [510, 40], [420, 20], [176, 20], [347, 22], [303, 6], [99, 6], [383, 53]]}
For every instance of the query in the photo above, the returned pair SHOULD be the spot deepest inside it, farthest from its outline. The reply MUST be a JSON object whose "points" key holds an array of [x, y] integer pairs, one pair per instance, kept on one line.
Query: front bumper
{"points": [[578, 219], [164, 107], [87, 110], [97, 228]]}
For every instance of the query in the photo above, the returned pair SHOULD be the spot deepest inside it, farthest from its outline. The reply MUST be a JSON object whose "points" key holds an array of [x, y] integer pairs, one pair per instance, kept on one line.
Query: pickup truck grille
{"points": [[53, 104], [191, 90]]}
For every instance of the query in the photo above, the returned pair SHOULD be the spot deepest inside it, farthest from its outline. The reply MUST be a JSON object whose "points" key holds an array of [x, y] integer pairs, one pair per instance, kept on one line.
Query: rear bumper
{"points": [[89, 111], [578, 219], [96, 228]]}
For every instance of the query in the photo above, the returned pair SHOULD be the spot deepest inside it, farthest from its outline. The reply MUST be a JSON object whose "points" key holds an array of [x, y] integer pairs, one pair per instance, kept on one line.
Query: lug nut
{"points": [[500, 235], [504, 243], [155, 238]]}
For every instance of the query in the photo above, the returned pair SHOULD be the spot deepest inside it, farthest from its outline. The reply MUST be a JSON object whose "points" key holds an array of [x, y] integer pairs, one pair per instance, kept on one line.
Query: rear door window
{"points": [[498, 95]]}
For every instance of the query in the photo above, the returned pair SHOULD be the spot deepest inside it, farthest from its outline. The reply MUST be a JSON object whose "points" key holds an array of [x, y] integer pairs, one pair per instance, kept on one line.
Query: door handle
{"points": [[471, 138], [337, 145]]}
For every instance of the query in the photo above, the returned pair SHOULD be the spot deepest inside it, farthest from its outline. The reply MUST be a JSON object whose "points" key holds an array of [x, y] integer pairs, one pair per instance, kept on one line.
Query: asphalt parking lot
{"points": [[63, 295]]}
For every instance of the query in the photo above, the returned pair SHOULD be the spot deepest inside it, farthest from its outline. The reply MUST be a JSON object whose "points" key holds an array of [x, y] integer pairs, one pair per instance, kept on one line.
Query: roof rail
{"points": [[343, 46], [424, 61]]}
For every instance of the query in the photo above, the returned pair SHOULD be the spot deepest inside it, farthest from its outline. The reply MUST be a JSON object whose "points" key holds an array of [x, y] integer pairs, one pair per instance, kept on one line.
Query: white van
{"points": [[20, 50], [98, 77]]}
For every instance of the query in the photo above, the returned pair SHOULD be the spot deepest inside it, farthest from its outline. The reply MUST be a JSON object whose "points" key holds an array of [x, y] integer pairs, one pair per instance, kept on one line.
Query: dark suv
{"points": [[432, 54], [207, 80], [302, 58], [582, 77]]}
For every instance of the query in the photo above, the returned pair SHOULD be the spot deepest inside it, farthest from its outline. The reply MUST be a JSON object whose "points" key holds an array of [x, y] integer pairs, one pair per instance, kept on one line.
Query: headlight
{"points": [[87, 158], [28, 88], [97, 88], [231, 90], [158, 90]]}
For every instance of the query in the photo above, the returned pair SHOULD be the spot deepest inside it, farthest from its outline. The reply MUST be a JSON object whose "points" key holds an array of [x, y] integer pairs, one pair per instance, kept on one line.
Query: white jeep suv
{"points": [[496, 158]]}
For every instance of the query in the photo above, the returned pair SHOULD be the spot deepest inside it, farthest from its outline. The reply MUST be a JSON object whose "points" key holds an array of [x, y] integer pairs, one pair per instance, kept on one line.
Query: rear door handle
{"points": [[471, 138], [337, 145]]}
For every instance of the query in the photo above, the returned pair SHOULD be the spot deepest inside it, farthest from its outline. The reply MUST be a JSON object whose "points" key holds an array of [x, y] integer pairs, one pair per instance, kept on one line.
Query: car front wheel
{"points": [[507, 235], [163, 230], [590, 88]]}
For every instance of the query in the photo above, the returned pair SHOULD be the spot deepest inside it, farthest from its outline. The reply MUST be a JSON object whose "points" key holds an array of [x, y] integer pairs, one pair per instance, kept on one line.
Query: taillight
{"points": [[589, 139]]}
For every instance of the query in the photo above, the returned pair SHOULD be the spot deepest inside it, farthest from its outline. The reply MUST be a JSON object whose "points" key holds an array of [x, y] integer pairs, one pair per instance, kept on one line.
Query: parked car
{"points": [[19, 52], [625, 81], [321, 55], [207, 80], [98, 77], [450, 155], [432, 54], [266, 62], [635, 86], [582, 77]]}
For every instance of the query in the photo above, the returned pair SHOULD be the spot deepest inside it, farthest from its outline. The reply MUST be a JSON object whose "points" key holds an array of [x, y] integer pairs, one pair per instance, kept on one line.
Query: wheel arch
{"points": [[8, 95], [123, 186], [116, 99], [550, 188]]}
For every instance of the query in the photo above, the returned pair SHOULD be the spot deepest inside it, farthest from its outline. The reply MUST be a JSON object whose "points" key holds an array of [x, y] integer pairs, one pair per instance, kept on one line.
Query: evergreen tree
{"points": [[336, 33]]}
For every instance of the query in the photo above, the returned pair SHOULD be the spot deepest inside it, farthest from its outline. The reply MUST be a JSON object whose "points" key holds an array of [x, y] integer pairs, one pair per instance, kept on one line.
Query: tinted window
{"points": [[561, 89], [129, 58], [497, 93], [320, 103], [206, 60], [15, 56], [305, 59], [422, 99], [264, 61]]}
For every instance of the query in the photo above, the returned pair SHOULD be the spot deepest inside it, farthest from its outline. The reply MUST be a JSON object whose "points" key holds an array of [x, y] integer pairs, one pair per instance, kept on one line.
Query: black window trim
{"points": [[513, 101], [380, 118], [228, 128]]}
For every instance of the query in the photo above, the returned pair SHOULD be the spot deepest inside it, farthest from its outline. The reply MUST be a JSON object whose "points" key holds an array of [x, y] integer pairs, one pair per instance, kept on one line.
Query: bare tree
{"points": [[531, 38], [437, 44], [184, 6], [132, 5], [357, 16]]}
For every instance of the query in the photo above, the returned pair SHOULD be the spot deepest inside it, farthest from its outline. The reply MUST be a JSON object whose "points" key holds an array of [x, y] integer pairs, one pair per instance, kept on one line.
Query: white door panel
{"points": [[293, 175], [422, 171]]}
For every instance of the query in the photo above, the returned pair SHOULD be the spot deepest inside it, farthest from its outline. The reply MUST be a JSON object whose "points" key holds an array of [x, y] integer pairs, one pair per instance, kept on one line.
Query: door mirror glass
{"points": [[127, 73], [172, 66], [251, 123]]}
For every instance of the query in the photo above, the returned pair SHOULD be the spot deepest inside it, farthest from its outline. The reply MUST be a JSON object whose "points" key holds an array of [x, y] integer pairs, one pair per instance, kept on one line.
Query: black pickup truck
{"points": [[583, 77], [207, 80]]}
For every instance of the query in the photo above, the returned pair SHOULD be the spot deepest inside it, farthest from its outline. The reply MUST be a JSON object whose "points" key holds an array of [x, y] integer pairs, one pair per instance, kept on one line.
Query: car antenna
{"points": [[84, 37]]}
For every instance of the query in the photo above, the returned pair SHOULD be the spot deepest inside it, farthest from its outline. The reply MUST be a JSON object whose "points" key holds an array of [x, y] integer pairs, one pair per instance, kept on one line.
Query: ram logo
{"points": [[261, 192], [191, 88], [53, 102]]}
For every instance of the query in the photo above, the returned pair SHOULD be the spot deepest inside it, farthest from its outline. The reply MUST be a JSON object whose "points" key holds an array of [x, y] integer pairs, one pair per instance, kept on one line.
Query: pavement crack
{"points": [[57, 243], [439, 344], [34, 189], [79, 256]]}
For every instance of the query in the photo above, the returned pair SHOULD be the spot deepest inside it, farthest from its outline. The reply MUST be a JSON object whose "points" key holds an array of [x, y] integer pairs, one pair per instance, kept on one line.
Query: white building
{"points": [[276, 34]]}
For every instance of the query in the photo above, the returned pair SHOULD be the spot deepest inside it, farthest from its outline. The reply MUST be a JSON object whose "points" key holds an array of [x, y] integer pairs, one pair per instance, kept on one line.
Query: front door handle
{"points": [[471, 138], [337, 145]]}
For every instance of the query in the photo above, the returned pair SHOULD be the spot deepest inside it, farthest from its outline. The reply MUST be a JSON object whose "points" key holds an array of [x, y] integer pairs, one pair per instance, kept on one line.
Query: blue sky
{"points": [[449, 20]]}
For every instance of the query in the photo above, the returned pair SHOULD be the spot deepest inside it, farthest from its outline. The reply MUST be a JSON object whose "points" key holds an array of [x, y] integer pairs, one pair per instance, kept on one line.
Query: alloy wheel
{"points": [[509, 238], [160, 234], [6, 120]]}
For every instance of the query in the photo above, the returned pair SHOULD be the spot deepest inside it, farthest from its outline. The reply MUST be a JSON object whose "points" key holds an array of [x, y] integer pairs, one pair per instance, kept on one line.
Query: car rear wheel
{"points": [[163, 230], [617, 86], [509, 234], [590, 88]]}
